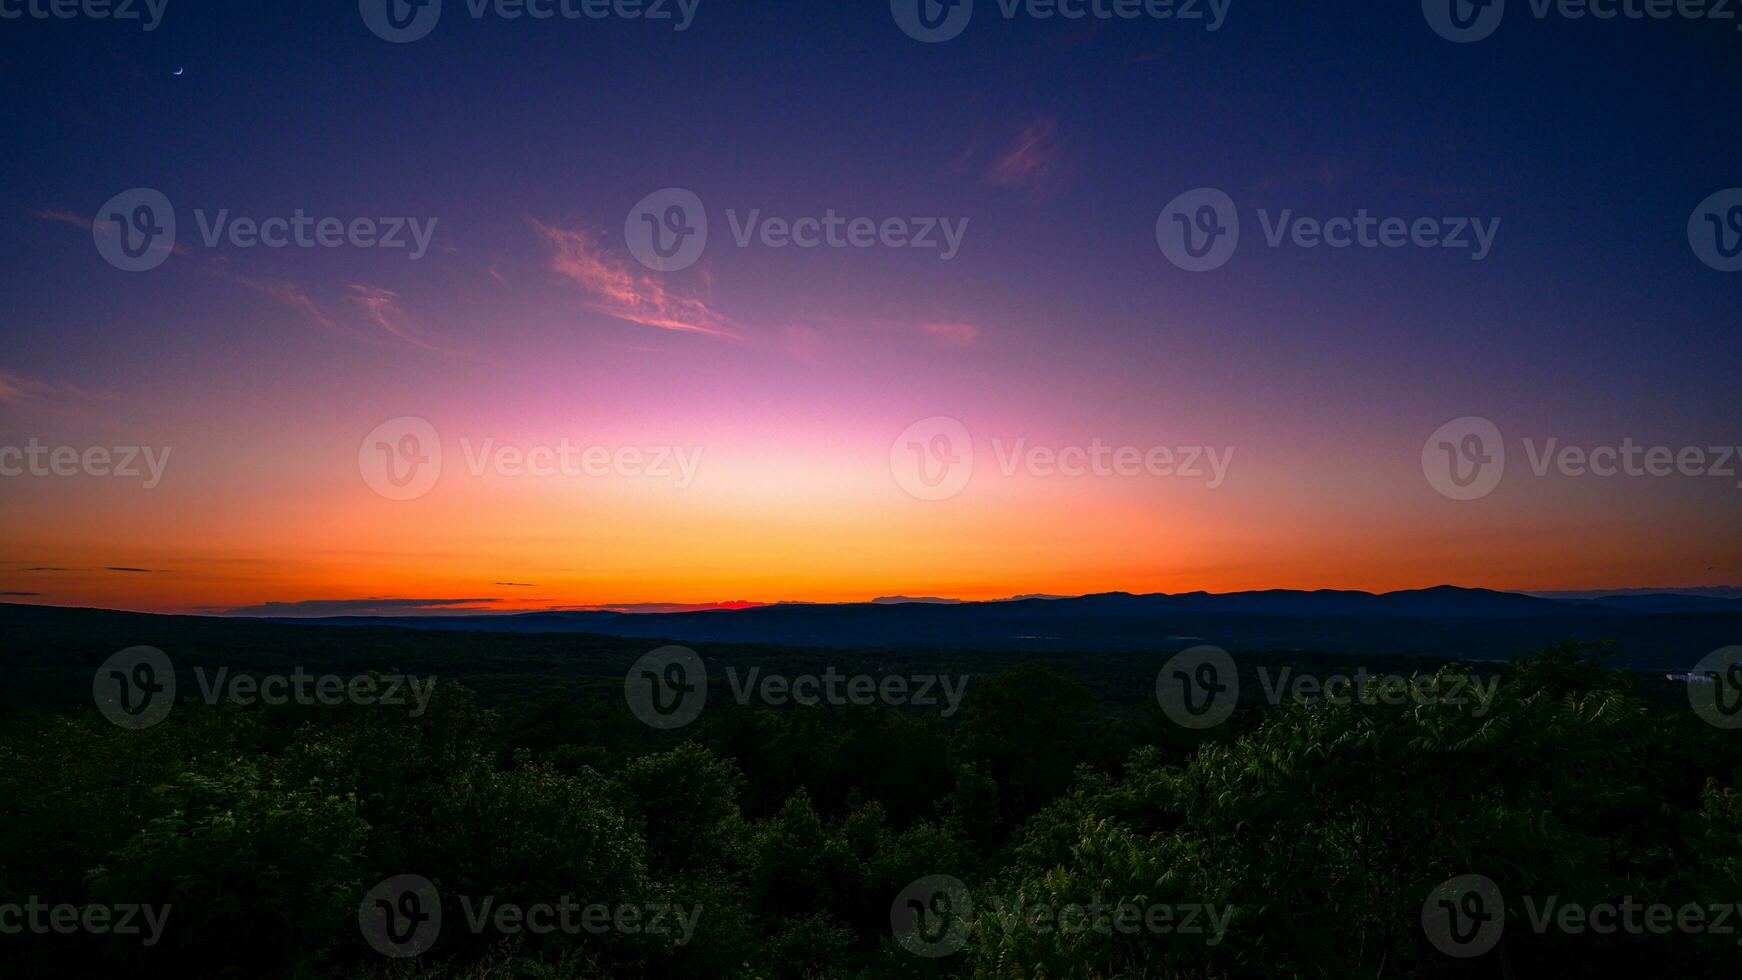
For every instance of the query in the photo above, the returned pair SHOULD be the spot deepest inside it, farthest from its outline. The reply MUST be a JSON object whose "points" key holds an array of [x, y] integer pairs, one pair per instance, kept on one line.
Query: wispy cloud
{"points": [[360, 607], [20, 593], [616, 289], [288, 293], [666, 607], [65, 217], [16, 388], [955, 334], [1320, 174], [85, 222], [59, 569], [107, 568], [808, 343], [1034, 160], [382, 307], [385, 309]]}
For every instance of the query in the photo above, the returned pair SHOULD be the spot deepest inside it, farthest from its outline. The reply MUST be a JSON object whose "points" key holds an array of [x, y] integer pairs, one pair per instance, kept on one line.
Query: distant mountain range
{"points": [[1649, 629]]}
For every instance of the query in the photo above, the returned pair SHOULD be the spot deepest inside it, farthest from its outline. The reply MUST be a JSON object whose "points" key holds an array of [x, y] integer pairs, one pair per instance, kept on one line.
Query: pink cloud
{"points": [[807, 343], [953, 334], [15, 389], [287, 293], [382, 306], [65, 218], [385, 309], [618, 290], [1034, 159], [84, 223]]}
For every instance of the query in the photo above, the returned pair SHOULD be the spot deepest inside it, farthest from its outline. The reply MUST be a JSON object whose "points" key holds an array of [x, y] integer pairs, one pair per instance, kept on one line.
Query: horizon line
{"points": [[393, 607]]}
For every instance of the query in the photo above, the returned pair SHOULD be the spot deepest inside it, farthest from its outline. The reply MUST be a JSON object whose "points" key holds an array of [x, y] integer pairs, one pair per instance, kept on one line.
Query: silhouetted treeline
{"points": [[1316, 829]]}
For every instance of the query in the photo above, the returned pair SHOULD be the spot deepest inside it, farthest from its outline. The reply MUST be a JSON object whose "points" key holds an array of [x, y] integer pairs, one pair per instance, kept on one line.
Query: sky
{"points": [[1001, 382]]}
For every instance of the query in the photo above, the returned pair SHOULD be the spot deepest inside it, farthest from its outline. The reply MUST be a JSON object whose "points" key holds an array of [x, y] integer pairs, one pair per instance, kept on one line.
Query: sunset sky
{"points": [[793, 371]]}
